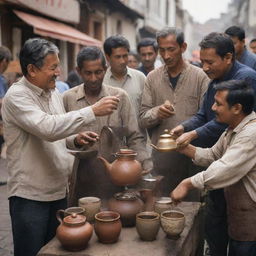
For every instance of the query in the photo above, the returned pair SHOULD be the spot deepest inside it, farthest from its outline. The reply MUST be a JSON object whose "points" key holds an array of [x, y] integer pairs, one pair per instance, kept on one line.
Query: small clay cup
{"points": [[91, 205], [163, 204], [173, 223], [147, 225], [107, 226]]}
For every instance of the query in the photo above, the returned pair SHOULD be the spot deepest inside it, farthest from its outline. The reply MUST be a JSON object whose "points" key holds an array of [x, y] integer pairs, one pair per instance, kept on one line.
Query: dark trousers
{"points": [[216, 228], [34, 223], [238, 248]]}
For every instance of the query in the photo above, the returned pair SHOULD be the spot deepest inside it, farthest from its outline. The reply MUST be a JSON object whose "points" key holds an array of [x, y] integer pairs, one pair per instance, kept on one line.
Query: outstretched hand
{"points": [[86, 138]]}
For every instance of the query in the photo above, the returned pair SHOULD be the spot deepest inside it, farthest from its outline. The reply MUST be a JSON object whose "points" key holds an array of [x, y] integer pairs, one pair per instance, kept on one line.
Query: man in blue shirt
{"points": [[237, 35], [217, 55]]}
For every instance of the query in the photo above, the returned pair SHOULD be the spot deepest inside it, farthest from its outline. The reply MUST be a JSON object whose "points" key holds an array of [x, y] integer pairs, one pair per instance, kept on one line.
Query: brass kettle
{"points": [[166, 142]]}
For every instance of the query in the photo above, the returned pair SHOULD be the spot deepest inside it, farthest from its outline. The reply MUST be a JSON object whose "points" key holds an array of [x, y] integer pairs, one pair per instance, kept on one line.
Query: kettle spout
{"points": [[106, 163]]}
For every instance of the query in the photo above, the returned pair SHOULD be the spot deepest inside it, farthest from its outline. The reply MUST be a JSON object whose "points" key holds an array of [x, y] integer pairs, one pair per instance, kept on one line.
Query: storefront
{"points": [[53, 20]]}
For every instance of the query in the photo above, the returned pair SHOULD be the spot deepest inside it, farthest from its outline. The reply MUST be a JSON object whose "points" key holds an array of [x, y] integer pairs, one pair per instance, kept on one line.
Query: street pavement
{"points": [[6, 244]]}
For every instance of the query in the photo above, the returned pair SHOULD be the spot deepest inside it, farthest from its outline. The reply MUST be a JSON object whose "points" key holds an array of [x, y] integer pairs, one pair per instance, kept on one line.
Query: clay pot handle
{"points": [[60, 215]]}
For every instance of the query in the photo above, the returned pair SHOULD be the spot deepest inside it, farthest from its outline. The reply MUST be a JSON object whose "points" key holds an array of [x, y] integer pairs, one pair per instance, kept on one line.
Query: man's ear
{"points": [[229, 57], [184, 47], [31, 70], [78, 70], [237, 108]]}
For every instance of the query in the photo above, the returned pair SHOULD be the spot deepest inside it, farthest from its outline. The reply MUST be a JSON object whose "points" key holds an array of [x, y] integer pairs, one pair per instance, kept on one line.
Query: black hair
{"points": [[147, 42], [220, 42], [135, 55], [115, 42], [5, 54], [88, 54], [253, 40], [236, 31], [34, 52], [171, 31], [239, 92]]}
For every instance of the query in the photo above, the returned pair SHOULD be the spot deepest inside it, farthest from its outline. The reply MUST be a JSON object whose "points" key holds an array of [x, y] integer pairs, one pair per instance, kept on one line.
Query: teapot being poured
{"points": [[125, 170], [166, 142]]}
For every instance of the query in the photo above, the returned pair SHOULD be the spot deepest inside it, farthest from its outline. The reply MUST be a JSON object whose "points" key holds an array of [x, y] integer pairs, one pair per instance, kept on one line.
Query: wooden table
{"points": [[129, 243]]}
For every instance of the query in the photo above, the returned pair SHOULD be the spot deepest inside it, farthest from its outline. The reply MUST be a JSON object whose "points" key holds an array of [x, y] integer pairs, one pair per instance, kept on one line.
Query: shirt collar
{"points": [[241, 125], [110, 74], [184, 68], [37, 90], [81, 93]]}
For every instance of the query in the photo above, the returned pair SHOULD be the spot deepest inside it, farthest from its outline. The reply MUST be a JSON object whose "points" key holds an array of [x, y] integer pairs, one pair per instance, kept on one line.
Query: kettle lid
{"points": [[74, 219]]}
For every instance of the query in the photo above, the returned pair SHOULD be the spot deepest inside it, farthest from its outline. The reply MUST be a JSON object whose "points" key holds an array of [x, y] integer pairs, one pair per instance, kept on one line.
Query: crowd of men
{"points": [[210, 109]]}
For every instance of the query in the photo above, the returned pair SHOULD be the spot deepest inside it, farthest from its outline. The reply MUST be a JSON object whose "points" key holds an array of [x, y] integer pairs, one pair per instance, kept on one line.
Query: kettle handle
{"points": [[60, 215]]}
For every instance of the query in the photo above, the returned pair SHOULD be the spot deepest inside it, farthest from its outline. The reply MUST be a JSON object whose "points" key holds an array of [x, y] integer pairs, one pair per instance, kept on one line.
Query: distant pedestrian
{"points": [[253, 45], [147, 49], [73, 79], [133, 60], [237, 35]]}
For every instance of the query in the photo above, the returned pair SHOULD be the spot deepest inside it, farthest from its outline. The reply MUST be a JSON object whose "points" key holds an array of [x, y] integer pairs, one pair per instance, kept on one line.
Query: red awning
{"points": [[57, 30]]}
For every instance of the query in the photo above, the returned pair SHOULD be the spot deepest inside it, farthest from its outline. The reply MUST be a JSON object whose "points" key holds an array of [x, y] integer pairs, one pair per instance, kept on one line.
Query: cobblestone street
{"points": [[6, 246]]}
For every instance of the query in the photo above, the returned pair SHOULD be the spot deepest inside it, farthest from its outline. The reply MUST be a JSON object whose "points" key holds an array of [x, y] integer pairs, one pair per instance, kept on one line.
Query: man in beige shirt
{"points": [[35, 128], [230, 164], [172, 93], [116, 50], [91, 66]]}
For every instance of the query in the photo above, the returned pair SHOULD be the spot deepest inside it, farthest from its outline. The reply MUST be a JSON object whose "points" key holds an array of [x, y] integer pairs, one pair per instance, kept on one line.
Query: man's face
{"points": [[213, 65], [118, 60], [224, 113], [170, 50], [239, 45], [3, 65], [253, 47], [147, 56], [132, 62], [45, 76], [92, 74]]}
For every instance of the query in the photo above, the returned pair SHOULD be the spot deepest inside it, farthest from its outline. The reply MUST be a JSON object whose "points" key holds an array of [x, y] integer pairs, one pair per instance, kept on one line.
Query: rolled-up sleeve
{"points": [[237, 161]]}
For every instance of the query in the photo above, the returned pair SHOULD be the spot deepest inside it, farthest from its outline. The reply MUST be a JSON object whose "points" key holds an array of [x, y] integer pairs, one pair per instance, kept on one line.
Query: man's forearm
{"points": [[189, 151]]}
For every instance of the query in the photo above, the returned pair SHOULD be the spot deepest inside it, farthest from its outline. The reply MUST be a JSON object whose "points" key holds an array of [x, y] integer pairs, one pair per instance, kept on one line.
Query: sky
{"points": [[202, 10]]}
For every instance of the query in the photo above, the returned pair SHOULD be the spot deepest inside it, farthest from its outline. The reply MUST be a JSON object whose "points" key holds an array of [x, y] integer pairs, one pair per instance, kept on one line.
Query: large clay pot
{"points": [[74, 232], [107, 226], [127, 204], [125, 170]]}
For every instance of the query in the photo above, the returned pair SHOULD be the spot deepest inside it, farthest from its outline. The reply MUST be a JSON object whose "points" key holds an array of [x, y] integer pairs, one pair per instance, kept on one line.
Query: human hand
{"points": [[165, 110], [86, 138], [177, 131], [105, 106], [181, 191], [186, 138]]}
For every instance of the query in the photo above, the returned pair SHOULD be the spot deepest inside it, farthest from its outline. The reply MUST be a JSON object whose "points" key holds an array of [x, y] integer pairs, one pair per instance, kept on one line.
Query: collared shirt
{"points": [[35, 125], [123, 119], [231, 159], [186, 97], [133, 83], [249, 59], [207, 128]]}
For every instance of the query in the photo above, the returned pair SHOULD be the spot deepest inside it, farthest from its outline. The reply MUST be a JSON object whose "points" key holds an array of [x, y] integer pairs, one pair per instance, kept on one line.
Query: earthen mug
{"points": [[107, 226], [173, 223], [91, 206], [147, 225], [163, 204], [74, 232]]}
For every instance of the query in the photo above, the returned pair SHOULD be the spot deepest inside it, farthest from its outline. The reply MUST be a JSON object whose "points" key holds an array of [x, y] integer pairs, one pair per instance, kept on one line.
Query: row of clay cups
{"points": [[148, 224]]}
